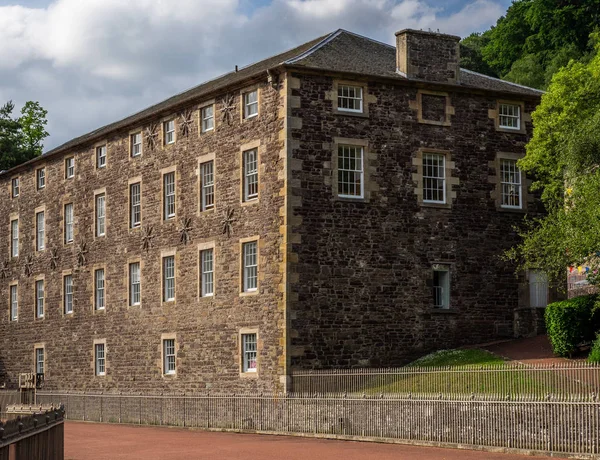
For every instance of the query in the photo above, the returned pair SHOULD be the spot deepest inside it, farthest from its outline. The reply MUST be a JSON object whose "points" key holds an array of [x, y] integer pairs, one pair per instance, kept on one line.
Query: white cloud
{"points": [[91, 62]]}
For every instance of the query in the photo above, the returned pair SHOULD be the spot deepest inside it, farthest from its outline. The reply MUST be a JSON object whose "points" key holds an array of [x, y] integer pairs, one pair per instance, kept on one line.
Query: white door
{"points": [[538, 289]]}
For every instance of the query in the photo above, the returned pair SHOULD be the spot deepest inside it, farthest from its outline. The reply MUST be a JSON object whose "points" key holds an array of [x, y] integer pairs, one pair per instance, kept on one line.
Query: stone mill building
{"points": [[342, 204]]}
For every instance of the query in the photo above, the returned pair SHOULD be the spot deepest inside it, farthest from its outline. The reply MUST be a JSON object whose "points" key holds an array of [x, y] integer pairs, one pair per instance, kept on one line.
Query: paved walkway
{"points": [[532, 350], [94, 441]]}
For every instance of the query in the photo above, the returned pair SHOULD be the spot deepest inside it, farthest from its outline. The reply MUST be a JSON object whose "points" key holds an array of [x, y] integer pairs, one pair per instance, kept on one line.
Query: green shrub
{"points": [[594, 356], [572, 322]]}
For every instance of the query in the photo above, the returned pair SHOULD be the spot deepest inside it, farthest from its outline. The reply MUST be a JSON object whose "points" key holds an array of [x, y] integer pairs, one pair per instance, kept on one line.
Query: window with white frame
{"points": [[208, 118], [250, 266], [169, 195], [251, 104], [135, 205], [40, 231], [441, 286], [169, 362], [14, 303], [68, 294], [41, 178], [39, 361], [69, 223], [250, 174], [168, 278], [509, 116], [39, 298], [350, 98], [100, 214], [70, 168], [135, 293], [249, 352], [511, 184], [14, 238], [101, 156], [100, 359], [350, 171], [15, 187], [207, 178], [169, 130], [207, 272], [434, 178], [135, 141], [99, 302]]}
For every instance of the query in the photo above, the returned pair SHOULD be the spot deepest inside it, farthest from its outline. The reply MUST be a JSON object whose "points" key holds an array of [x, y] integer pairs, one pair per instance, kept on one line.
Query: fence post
{"points": [[120, 399], [101, 398], [84, 399], [140, 398], [184, 409]]}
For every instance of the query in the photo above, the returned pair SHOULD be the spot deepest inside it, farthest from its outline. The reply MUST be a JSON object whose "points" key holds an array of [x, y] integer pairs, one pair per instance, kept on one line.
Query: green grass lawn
{"points": [[468, 371]]}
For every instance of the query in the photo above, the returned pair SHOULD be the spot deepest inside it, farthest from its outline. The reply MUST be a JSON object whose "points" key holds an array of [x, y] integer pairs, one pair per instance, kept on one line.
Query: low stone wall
{"points": [[568, 426], [529, 322]]}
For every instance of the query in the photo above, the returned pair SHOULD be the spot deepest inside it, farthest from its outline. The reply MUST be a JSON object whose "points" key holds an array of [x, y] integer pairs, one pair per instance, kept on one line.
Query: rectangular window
{"points": [[251, 104], [70, 168], [135, 205], [136, 144], [14, 238], [208, 118], [134, 284], [39, 298], [169, 356], [434, 178], [69, 223], [207, 272], [68, 294], [15, 187], [207, 185], [168, 278], [100, 359], [39, 361], [41, 178], [250, 266], [99, 289], [101, 156], [40, 231], [249, 352], [250, 175], [100, 214], [350, 171], [509, 116], [511, 184], [14, 303], [169, 130], [441, 287], [350, 98], [169, 195]]}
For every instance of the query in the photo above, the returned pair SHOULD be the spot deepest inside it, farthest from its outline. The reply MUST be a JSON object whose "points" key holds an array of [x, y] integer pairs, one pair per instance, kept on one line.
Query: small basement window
{"points": [[441, 286]]}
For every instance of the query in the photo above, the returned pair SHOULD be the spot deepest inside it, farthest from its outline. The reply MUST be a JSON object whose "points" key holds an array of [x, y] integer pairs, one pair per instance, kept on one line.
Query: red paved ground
{"points": [[531, 350], [94, 441]]}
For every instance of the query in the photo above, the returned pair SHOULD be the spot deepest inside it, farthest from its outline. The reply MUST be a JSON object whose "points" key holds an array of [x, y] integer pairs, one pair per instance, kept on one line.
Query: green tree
{"points": [[470, 54], [564, 158], [33, 122], [534, 39], [21, 138]]}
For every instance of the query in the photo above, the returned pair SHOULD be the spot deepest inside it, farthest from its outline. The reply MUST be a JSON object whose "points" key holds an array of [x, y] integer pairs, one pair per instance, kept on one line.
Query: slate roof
{"points": [[339, 51]]}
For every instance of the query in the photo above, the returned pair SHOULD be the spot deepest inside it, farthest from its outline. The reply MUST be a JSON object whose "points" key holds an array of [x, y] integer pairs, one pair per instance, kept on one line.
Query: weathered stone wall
{"points": [[206, 329], [364, 267]]}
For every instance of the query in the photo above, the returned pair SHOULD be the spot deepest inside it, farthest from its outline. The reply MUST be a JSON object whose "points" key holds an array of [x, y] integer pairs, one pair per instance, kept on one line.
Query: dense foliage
{"points": [[572, 322], [534, 40], [594, 356], [21, 138], [564, 158]]}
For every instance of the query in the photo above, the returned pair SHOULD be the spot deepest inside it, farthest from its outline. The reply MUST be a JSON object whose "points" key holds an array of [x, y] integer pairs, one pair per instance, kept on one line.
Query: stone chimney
{"points": [[428, 56]]}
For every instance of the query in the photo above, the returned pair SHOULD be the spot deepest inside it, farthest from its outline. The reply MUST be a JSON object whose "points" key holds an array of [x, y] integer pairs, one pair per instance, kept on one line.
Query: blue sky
{"points": [[90, 62]]}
